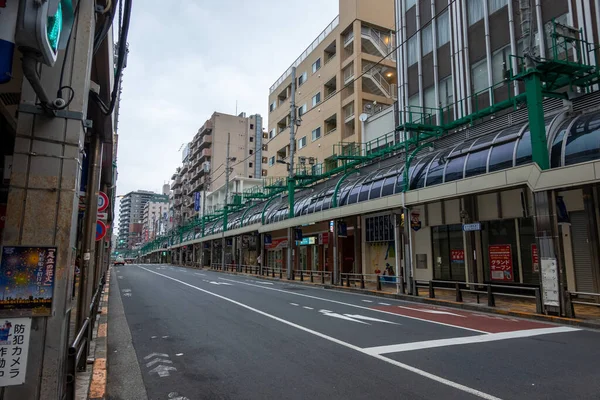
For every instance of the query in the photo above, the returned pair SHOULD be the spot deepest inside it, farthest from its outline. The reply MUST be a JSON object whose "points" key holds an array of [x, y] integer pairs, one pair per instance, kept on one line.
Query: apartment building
{"points": [[155, 217], [131, 212], [204, 160], [348, 70]]}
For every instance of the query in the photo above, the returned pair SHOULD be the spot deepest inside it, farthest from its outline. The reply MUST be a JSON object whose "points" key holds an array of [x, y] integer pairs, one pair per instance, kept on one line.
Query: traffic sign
{"points": [[102, 201], [100, 230], [102, 215]]}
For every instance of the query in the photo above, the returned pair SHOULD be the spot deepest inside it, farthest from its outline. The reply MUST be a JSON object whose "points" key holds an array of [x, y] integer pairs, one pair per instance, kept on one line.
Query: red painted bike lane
{"points": [[464, 319]]}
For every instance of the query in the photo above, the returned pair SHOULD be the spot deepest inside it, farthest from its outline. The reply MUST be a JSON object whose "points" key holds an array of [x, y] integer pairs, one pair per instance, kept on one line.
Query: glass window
{"points": [[302, 79], [316, 65], [376, 189], [454, 169], [353, 196], [301, 142], [412, 50], [500, 233], [410, 3], [479, 76], [495, 5], [388, 186], [475, 10], [316, 99], [583, 142], [272, 161], [448, 252], [316, 134], [556, 151], [272, 106], [302, 110], [418, 179], [272, 133], [446, 93], [427, 39], [364, 192], [435, 176], [429, 95], [443, 29], [524, 150], [476, 163], [502, 156], [500, 61]]}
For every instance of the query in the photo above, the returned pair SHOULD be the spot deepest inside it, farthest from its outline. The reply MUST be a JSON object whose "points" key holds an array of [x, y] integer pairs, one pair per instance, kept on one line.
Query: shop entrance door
{"points": [[303, 257]]}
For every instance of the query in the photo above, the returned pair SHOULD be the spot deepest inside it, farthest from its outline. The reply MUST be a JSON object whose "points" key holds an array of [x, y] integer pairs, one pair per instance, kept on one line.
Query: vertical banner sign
{"points": [[501, 266], [457, 256], [14, 346], [197, 201], [550, 282], [535, 258], [27, 280], [415, 220]]}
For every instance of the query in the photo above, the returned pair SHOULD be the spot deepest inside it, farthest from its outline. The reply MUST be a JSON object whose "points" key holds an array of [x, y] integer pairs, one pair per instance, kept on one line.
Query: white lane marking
{"points": [[361, 307], [149, 356], [340, 316], [294, 304], [164, 337], [179, 354], [197, 273], [407, 367], [433, 311], [308, 308], [126, 290], [385, 304], [368, 301], [263, 283], [162, 370], [158, 360], [365, 318], [220, 283], [492, 337]]}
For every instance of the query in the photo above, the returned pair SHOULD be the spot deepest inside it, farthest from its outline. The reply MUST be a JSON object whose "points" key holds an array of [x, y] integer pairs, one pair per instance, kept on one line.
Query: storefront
{"points": [[276, 252]]}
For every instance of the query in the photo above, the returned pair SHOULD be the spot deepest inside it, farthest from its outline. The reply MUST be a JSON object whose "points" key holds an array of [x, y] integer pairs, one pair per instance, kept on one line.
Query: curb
{"points": [[97, 389], [425, 300]]}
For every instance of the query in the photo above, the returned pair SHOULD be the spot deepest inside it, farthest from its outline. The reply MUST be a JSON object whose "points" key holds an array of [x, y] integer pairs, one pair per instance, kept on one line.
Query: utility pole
{"points": [[226, 201], [291, 177]]}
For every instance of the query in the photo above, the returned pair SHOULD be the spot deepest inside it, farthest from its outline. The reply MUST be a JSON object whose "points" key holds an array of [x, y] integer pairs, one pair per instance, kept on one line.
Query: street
{"points": [[200, 334]]}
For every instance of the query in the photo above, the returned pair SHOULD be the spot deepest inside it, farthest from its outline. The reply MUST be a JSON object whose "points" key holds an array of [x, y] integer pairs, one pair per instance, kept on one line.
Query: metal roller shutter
{"points": [[581, 252]]}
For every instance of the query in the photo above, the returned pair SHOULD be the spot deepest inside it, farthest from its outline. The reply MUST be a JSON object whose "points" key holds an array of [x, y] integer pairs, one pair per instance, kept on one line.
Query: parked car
{"points": [[119, 261]]}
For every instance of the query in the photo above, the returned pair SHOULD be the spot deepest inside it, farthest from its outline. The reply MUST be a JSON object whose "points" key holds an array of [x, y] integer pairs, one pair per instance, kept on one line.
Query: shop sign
{"points": [[501, 266], [324, 238], [27, 280], [415, 220], [307, 241], [476, 226], [535, 258], [14, 348], [457, 256], [277, 244]]}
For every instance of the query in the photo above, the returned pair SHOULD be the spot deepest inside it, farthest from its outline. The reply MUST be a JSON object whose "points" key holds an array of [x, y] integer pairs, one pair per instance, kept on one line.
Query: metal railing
{"points": [[489, 290], [80, 347], [374, 74], [377, 38], [579, 298]]}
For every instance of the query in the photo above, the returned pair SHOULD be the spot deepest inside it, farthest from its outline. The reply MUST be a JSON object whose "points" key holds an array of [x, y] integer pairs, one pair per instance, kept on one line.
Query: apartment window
{"points": [[412, 50], [272, 161], [265, 160], [316, 99], [251, 139], [273, 106], [316, 65], [251, 151], [302, 79], [429, 95], [302, 142], [413, 102], [410, 3], [495, 5], [302, 110], [272, 133], [475, 10], [500, 60], [443, 29], [264, 172], [427, 39], [446, 96], [250, 165], [251, 126], [316, 134], [479, 76], [250, 176]]}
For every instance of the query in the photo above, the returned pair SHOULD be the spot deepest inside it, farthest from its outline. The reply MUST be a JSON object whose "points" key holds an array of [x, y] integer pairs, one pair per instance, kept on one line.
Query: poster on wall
{"points": [[535, 258], [457, 256], [501, 265], [27, 280], [415, 220]]}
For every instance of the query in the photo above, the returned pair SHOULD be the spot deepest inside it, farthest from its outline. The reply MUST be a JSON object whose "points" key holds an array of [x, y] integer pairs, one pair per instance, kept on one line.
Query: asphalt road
{"points": [[210, 335]]}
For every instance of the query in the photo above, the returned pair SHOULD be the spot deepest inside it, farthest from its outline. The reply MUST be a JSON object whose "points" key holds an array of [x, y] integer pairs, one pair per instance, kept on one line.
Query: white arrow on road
{"points": [[149, 356], [432, 311], [127, 294], [340, 316], [163, 370], [220, 283], [158, 360], [126, 290], [365, 318]]}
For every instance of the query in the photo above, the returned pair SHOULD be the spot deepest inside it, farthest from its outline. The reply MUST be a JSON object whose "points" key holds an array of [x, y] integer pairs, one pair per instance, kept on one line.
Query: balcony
{"points": [[206, 128], [178, 202], [184, 168], [206, 141], [205, 154], [176, 182], [177, 193]]}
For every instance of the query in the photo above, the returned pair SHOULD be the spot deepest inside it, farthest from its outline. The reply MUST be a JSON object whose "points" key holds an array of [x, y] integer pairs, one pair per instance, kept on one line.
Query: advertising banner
{"points": [[501, 265]]}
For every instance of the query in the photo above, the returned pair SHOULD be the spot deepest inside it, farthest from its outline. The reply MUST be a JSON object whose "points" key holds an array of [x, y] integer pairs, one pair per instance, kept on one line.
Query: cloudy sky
{"points": [[189, 58]]}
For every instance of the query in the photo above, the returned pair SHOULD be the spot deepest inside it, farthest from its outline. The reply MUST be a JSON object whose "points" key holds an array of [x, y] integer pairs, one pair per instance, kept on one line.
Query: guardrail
{"points": [[490, 290], [79, 349], [575, 298]]}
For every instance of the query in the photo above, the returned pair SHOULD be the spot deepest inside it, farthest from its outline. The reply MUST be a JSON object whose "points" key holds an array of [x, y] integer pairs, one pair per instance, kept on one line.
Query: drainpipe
{"points": [[540, 25], [435, 62], [465, 58], [513, 43], [488, 50]]}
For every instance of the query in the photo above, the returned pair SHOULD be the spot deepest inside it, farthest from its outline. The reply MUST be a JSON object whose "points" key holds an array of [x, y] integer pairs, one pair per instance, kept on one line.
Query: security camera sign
{"points": [[14, 347]]}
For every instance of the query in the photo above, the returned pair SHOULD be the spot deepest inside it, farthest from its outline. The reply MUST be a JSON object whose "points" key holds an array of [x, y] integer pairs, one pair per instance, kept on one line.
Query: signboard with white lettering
{"points": [[14, 346], [550, 282], [476, 226]]}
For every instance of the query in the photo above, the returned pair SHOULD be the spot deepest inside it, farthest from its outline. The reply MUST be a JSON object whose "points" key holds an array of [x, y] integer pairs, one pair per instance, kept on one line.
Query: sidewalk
{"points": [[586, 316]]}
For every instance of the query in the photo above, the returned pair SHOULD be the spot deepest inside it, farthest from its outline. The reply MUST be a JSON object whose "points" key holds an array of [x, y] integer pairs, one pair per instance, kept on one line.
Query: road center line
{"points": [[357, 306], [428, 344], [406, 367]]}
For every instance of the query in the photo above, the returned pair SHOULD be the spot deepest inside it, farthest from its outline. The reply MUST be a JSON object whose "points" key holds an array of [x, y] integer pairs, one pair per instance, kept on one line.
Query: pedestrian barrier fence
{"points": [[582, 298]]}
